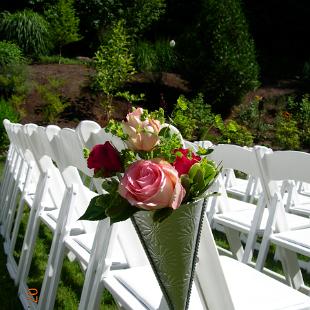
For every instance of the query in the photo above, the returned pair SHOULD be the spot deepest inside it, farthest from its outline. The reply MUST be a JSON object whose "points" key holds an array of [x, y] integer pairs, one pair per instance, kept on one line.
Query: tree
{"points": [[64, 23]]}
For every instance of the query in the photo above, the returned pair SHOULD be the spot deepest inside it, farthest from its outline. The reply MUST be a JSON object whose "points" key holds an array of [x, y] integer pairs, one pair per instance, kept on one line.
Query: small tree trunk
{"points": [[59, 55]]}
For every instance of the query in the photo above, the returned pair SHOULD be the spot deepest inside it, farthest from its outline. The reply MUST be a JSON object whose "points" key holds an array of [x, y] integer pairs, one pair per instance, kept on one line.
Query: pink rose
{"points": [[143, 135], [151, 185], [104, 157], [184, 162]]}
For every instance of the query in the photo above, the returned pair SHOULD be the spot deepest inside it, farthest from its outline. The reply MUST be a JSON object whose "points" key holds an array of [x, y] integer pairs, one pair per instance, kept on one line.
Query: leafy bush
{"points": [[142, 14], [53, 104], [10, 54], [232, 132], [193, 117], [27, 29], [6, 112], [301, 114], [97, 15], [13, 80], [113, 60], [286, 133], [252, 116], [221, 53], [64, 24], [157, 57]]}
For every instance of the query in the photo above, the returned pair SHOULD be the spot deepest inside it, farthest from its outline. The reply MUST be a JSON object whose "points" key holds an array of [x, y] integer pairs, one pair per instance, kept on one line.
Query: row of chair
{"points": [[46, 166]]}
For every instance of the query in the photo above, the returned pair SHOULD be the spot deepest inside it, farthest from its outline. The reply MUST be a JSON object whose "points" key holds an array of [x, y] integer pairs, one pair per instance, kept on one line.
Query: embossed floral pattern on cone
{"points": [[171, 247]]}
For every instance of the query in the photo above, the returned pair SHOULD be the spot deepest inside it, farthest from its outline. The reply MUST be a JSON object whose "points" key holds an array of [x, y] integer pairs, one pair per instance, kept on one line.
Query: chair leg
{"points": [[31, 231], [291, 268], [52, 275], [235, 244]]}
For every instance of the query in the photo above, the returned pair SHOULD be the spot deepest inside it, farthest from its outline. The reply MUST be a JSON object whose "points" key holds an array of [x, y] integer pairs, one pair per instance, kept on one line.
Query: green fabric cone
{"points": [[171, 247]]}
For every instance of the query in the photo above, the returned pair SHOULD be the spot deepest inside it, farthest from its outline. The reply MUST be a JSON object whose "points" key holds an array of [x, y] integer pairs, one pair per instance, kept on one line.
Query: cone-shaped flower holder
{"points": [[171, 247]]}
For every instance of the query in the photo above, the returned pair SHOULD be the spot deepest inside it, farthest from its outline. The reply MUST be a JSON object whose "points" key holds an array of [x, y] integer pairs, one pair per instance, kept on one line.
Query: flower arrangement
{"points": [[154, 173]]}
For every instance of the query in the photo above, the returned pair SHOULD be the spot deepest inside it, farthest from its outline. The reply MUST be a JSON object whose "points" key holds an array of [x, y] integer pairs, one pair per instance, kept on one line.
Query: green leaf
{"points": [[98, 174], [95, 211], [110, 185], [86, 152], [161, 214], [199, 180], [120, 210], [193, 170], [165, 132]]}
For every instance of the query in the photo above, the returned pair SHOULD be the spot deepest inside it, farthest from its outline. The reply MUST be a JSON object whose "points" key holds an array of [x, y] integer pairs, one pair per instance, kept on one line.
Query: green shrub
{"points": [[193, 117], [145, 56], [286, 132], [13, 80], [27, 29], [156, 57], [252, 116], [64, 24], [6, 112], [10, 54], [113, 60], [301, 114], [223, 54], [51, 96], [142, 14], [97, 15], [232, 133]]}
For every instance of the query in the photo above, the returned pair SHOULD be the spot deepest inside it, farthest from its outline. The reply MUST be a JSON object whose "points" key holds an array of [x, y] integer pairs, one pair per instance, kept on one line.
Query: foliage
{"points": [[232, 132], [10, 54], [301, 114], [97, 15], [132, 98], [286, 132], [53, 104], [28, 30], [113, 61], [220, 53], [6, 112], [62, 60], [252, 116], [157, 57], [192, 117], [64, 24], [13, 80], [142, 14]]}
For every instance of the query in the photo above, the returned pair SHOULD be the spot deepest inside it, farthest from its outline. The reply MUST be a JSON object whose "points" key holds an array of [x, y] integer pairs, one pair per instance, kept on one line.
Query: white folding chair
{"points": [[17, 173], [275, 166], [241, 217]]}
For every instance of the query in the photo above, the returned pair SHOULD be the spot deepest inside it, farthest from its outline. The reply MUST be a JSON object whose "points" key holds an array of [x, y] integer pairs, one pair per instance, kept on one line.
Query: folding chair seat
{"points": [[242, 189], [298, 200], [278, 166], [221, 283]]}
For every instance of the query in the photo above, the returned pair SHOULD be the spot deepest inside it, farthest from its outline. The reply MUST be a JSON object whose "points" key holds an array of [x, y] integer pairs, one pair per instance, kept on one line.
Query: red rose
{"points": [[184, 162], [105, 157]]}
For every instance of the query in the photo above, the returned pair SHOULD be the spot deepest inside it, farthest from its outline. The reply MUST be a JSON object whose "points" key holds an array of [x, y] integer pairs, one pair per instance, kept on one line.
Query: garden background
{"points": [[227, 71]]}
